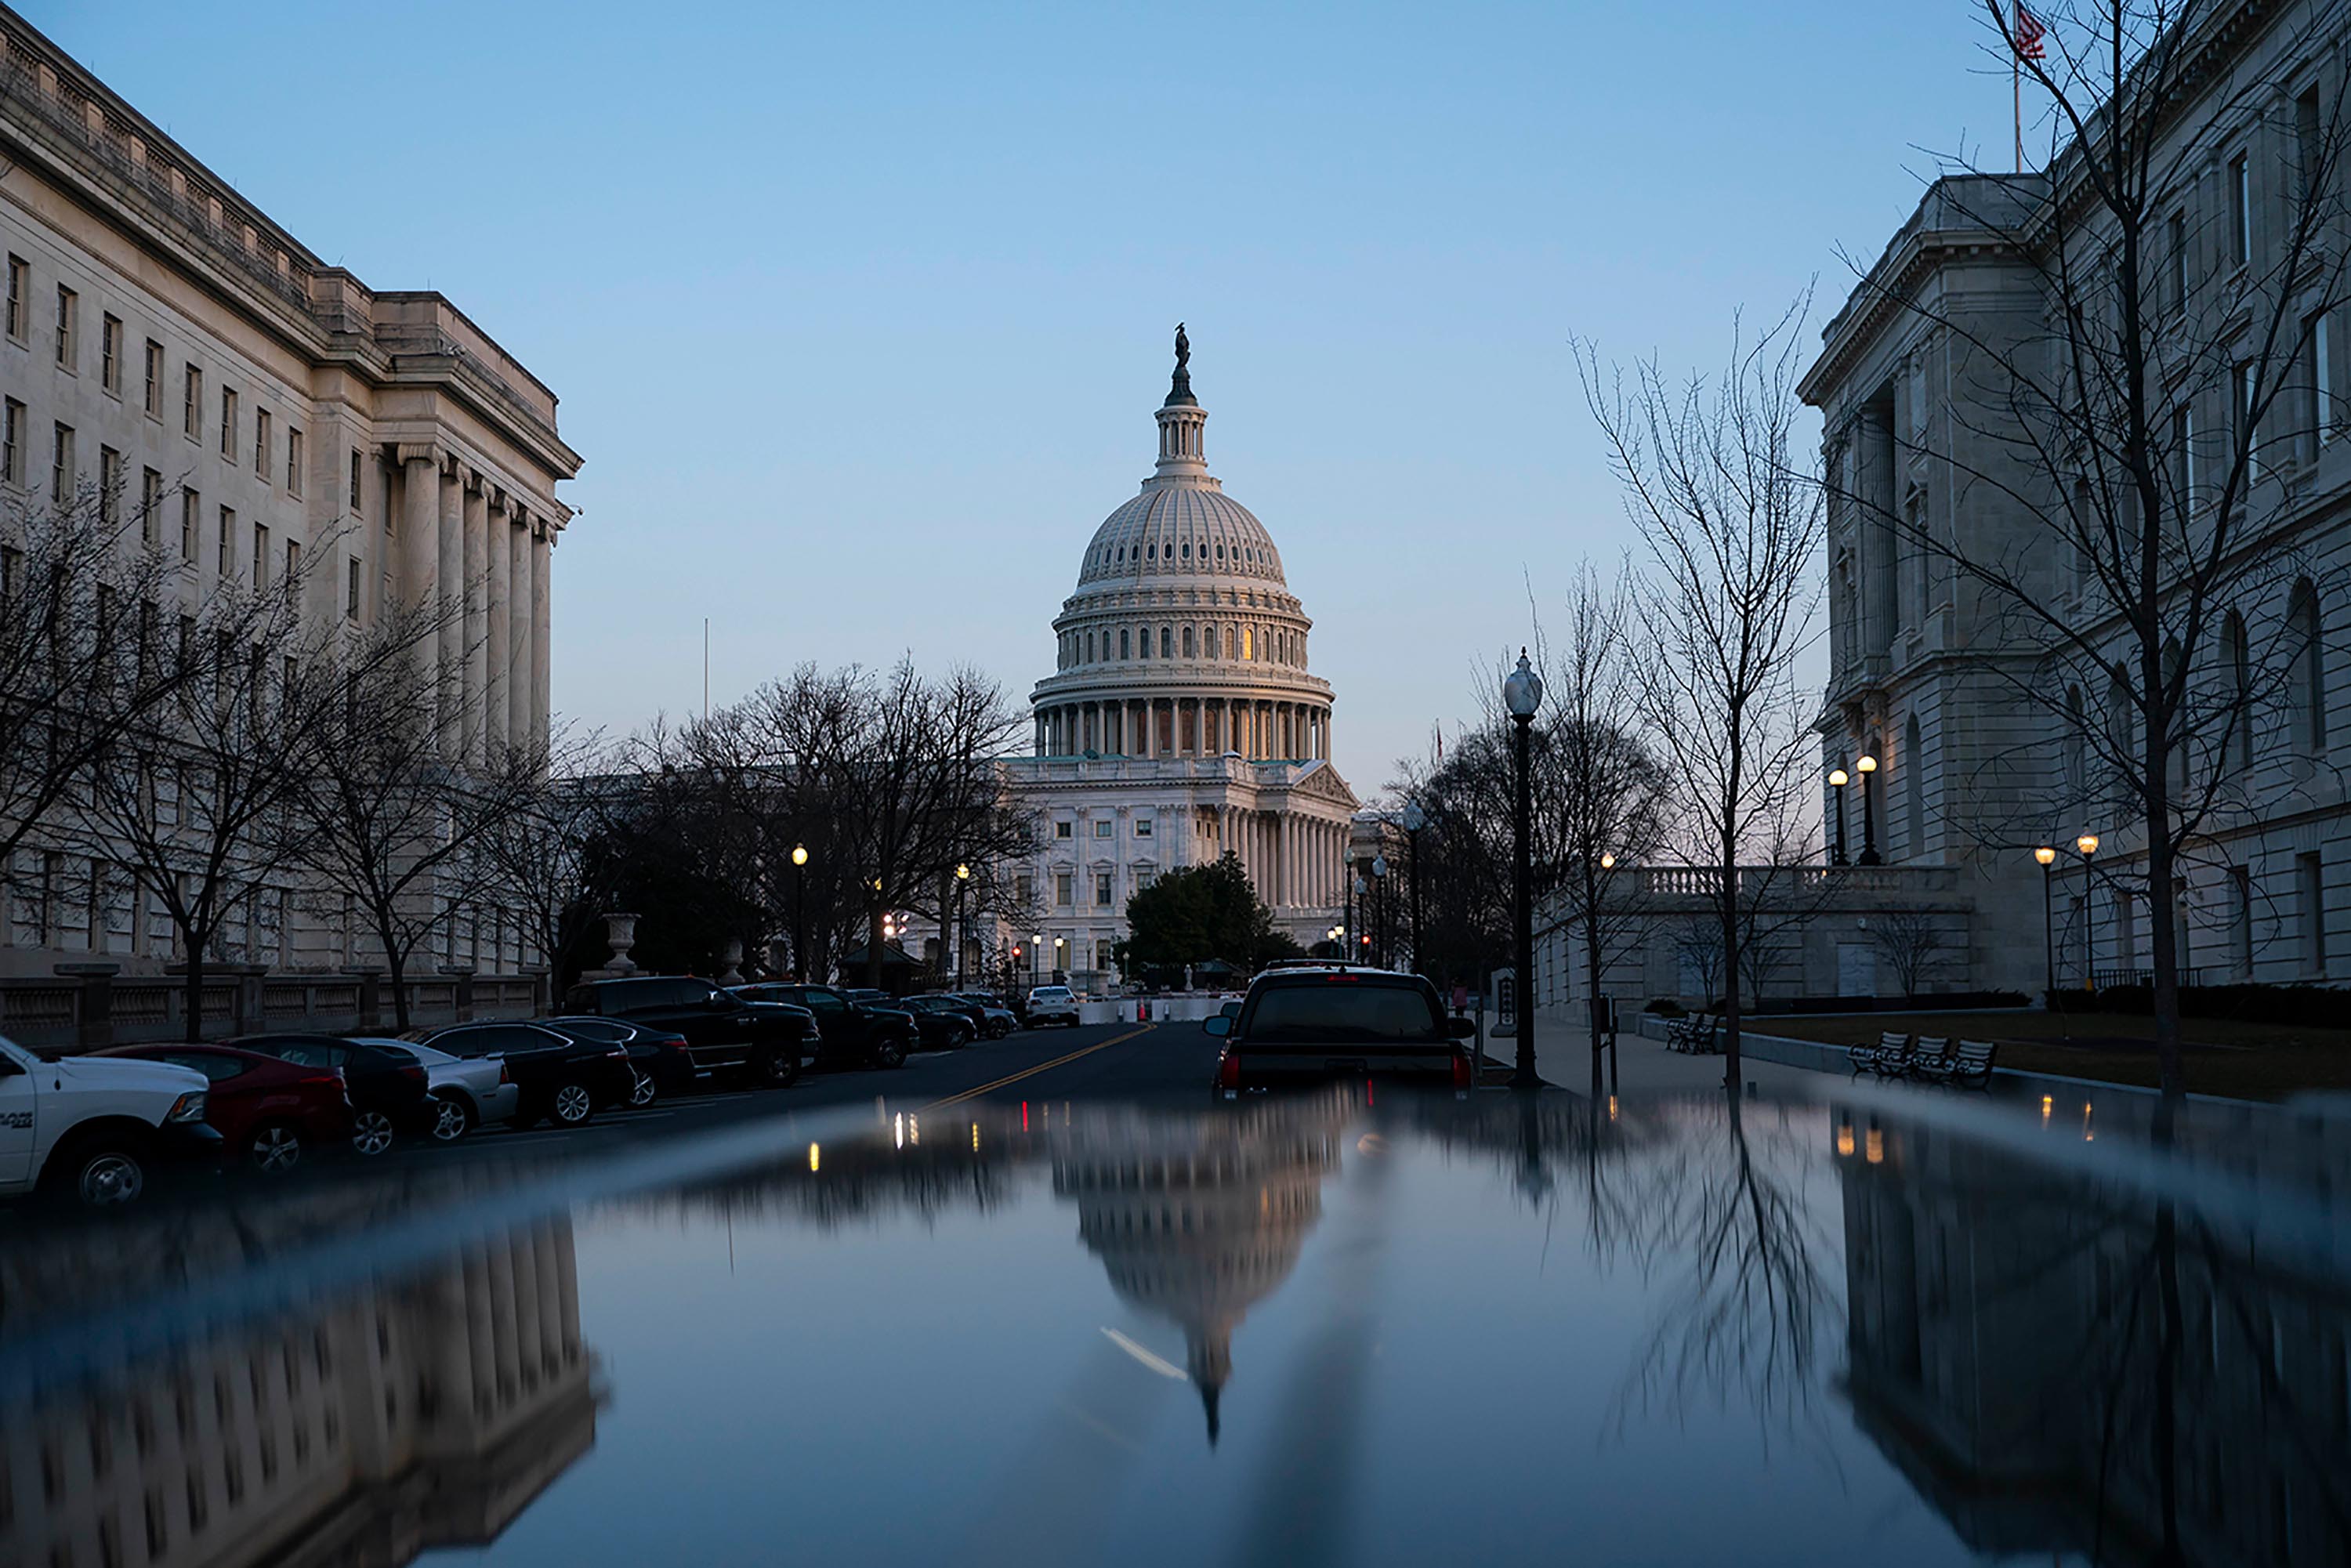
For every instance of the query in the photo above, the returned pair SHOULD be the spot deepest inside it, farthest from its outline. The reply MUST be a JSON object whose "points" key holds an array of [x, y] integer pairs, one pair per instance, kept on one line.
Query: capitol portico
{"points": [[1181, 720]]}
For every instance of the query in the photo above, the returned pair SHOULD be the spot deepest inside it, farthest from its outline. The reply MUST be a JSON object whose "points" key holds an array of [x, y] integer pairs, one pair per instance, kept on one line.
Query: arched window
{"points": [[1166, 641], [1246, 642], [1190, 650], [1232, 646], [1090, 647], [2239, 653], [2308, 676], [1145, 637], [1125, 643], [1913, 787]]}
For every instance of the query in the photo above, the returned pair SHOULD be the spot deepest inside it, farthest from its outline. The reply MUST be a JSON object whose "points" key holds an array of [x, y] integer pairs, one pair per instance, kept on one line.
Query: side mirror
{"points": [[1460, 1028], [1218, 1026]]}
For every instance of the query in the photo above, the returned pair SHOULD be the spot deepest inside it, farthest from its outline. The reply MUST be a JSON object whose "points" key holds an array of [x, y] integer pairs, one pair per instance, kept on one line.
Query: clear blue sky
{"points": [[858, 312]]}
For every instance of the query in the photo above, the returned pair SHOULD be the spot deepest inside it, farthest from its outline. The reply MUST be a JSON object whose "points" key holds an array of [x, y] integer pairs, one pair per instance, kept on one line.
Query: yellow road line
{"points": [[1040, 1067]]}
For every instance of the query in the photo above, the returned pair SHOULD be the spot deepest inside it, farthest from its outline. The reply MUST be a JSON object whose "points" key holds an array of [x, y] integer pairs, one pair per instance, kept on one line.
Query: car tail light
{"points": [[1228, 1070], [505, 1077], [320, 1081], [415, 1076], [1462, 1078]]}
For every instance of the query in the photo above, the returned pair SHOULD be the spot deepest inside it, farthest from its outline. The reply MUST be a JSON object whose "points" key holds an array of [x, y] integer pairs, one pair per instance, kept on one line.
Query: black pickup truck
{"points": [[854, 1031], [763, 1038], [1306, 1024]]}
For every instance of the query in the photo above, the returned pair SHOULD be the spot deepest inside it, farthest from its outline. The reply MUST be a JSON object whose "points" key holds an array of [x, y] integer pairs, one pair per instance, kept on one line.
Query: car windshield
{"points": [[1052, 994], [429, 1057], [1346, 1010]]}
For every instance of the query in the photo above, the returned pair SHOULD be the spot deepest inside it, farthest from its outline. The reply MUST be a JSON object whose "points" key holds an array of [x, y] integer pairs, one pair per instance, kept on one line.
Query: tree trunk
{"points": [[396, 971], [194, 1004], [1592, 982], [873, 948], [1730, 956]]}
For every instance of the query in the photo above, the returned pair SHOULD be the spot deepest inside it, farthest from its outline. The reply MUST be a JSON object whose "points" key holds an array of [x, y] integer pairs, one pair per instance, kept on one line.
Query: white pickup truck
{"points": [[92, 1128]]}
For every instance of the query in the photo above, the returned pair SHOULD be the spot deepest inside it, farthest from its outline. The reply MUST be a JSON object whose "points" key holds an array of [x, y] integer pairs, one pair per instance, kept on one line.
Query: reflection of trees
{"points": [[2064, 1364], [404, 1417]]}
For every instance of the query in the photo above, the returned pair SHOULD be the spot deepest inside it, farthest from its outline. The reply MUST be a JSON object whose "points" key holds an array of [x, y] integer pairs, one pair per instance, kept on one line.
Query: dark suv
{"points": [[1300, 1025], [725, 1032], [854, 1031]]}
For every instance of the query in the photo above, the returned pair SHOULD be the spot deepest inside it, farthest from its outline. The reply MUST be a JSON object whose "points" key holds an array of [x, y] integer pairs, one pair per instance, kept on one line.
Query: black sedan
{"points": [[939, 1024], [561, 1077], [995, 1020], [664, 1062], [388, 1089]]}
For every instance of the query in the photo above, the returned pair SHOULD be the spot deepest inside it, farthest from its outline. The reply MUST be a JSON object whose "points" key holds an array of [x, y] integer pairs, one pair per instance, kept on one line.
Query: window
{"points": [[2308, 151], [2322, 378], [110, 354], [1102, 890], [154, 401], [228, 424], [1101, 827], [2183, 455], [352, 590], [2240, 921], [192, 403], [191, 509], [109, 487], [150, 502], [1190, 649], [293, 560], [1024, 890], [2310, 895], [1125, 643], [1064, 829], [69, 314], [2305, 627], [1142, 827], [2176, 261], [294, 459], [1145, 640], [2246, 430], [2241, 208], [2236, 648], [12, 442], [20, 284], [1061, 889], [61, 466], [228, 541], [1166, 643], [260, 555], [261, 441], [355, 480]]}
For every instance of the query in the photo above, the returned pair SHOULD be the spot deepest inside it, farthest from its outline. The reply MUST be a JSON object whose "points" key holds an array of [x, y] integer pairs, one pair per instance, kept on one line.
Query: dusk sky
{"points": [[858, 313]]}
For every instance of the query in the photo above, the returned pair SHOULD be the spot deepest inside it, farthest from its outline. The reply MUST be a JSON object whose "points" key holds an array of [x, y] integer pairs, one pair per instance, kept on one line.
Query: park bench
{"points": [[1929, 1055], [1694, 1034], [1969, 1065], [1885, 1058]]}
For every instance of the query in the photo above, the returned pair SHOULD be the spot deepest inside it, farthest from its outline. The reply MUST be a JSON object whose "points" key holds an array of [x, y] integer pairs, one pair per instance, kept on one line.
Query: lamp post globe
{"points": [[1866, 764], [799, 926], [2047, 856], [2088, 845], [1522, 695], [1838, 779]]}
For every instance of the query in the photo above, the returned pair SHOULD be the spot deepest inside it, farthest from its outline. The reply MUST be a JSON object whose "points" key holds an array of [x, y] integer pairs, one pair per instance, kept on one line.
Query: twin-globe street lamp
{"points": [[1522, 695], [1380, 910]]}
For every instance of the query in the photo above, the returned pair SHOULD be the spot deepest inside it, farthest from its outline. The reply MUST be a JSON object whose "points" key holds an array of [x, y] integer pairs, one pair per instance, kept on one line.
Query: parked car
{"points": [[853, 1033], [389, 1092], [90, 1128], [723, 1030], [557, 1077], [1306, 1025], [995, 1020], [1052, 1004], [664, 1062], [483, 1091], [940, 1022], [269, 1112]]}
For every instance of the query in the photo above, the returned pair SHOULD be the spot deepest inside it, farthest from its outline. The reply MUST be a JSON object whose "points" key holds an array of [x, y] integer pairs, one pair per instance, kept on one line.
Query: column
{"points": [[542, 647], [496, 630], [475, 632], [518, 625], [450, 609], [420, 549]]}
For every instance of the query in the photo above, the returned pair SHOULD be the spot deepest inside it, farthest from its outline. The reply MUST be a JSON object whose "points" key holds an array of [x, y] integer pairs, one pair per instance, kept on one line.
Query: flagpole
{"points": [[2016, 90]]}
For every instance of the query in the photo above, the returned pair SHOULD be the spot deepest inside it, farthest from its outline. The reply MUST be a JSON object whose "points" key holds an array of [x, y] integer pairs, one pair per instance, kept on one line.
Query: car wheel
{"points": [[101, 1172], [372, 1133], [642, 1091], [779, 1069], [452, 1120], [965, 1036], [274, 1149], [890, 1054], [572, 1105]]}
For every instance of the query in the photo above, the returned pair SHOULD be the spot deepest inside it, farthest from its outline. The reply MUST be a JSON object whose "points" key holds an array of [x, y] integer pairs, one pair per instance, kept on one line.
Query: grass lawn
{"points": [[2244, 1060]]}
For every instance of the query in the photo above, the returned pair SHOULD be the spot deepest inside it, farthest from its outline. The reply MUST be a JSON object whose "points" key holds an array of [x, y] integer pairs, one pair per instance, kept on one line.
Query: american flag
{"points": [[2026, 38]]}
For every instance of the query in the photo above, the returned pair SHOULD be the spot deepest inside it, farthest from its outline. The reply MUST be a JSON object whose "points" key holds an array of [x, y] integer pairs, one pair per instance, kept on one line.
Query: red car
{"points": [[267, 1110]]}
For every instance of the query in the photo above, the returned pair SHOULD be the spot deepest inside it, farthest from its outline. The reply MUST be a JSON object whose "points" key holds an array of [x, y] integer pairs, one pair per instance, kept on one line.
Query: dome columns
{"points": [[1261, 729]]}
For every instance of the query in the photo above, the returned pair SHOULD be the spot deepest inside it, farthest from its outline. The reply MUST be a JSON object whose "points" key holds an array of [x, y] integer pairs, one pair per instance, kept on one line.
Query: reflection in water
{"points": [[411, 1415], [2060, 1366], [1197, 1218]]}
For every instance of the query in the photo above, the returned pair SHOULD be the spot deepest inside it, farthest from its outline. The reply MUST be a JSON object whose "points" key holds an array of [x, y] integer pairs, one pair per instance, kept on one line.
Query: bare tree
{"points": [[541, 857], [2150, 421], [1911, 941], [1733, 531]]}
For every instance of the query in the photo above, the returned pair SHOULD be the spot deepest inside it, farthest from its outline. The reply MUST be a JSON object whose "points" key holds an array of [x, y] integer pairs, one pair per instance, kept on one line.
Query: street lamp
{"points": [[1035, 951], [1866, 766], [1380, 909], [1415, 819], [1522, 695], [2048, 857], [963, 876], [1608, 860], [1838, 779], [1058, 943], [2088, 844], [799, 924], [1356, 916]]}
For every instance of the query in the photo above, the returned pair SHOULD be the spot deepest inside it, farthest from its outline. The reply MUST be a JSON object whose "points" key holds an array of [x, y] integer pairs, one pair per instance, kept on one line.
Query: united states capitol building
{"points": [[1181, 720]]}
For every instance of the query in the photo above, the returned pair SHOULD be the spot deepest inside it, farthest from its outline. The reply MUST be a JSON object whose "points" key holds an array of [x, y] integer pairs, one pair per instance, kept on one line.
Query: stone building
{"points": [[1927, 672], [1181, 720], [264, 411]]}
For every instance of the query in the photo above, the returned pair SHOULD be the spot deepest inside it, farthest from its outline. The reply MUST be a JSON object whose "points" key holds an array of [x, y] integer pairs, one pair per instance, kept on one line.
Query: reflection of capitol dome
{"points": [[1197, 1221]]}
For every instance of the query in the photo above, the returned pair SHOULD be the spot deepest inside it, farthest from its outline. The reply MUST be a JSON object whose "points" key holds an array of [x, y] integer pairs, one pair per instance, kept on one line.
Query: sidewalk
{"points": [[1644, 1067]]}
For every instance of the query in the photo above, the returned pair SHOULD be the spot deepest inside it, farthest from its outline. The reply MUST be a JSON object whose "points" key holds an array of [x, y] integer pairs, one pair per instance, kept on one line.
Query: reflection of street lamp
{"points": [[1866, 766], [1415, 819], [2088, 844], [1522, 695], [963, 876], [2048, 857], [799, 922], [1838, 779], [1380, 908]]}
